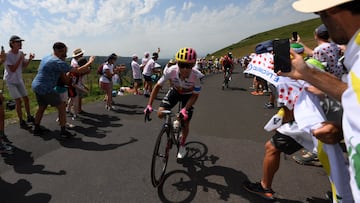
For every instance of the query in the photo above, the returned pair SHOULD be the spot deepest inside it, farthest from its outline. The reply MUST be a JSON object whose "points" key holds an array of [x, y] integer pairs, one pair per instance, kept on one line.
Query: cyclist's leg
{"points": [[169, 101], [186, 127]]}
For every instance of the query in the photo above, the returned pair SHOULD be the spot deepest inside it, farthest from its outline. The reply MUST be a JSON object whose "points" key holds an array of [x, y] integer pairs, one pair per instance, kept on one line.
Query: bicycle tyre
{"points": [[160, 157]]}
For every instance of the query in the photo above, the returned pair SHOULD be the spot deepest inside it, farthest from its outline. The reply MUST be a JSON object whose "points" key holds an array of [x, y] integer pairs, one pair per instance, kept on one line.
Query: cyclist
{"points": [[185, 88], [228, 64]]}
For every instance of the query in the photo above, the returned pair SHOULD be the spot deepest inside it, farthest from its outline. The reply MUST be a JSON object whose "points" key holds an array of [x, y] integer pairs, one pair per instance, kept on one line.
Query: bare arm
{"points": [[85, 68], [191, 101], [154, 93]]}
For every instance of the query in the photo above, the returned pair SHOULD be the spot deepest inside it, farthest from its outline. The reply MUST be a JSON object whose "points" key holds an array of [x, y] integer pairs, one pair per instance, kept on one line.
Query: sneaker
{"points": [[69, 125], [5, 139], [74, 117], [30, 119], [24, 125], [110, 108], [269, 105], [307, 158], [182, 152], [66, 134], [257, 189], [6, 149]]}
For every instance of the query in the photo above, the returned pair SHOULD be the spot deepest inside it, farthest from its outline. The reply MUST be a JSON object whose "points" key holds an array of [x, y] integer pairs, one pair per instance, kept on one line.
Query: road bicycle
{"points": [[227, 77], [168, 137]]}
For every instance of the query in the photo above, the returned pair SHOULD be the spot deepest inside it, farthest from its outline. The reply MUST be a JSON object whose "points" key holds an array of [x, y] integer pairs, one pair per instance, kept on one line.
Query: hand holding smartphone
{"points": [[281, 49]]}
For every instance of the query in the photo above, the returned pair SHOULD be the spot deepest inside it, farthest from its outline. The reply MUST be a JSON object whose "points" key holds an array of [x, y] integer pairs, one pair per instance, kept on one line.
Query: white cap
{"points": [[309, 6]]}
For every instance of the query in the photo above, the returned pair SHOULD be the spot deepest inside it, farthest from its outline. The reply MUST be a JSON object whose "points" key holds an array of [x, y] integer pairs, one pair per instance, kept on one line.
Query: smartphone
{"points": [[294, 36], [281, 49], [2, 48]]}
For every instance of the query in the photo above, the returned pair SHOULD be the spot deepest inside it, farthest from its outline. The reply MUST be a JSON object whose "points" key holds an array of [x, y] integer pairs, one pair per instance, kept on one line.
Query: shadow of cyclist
{"points": [[181, 185]]}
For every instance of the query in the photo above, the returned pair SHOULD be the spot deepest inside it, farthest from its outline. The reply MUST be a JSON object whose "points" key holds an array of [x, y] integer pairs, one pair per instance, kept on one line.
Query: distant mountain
{"points": [[305, 30]]}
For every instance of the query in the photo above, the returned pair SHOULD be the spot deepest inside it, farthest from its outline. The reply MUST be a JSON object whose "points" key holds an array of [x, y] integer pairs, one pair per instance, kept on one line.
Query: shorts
{"points": [[17, 91], [138, 81], [147, 78], [172, 97], [52, 99], [285, 143], [105, 86]]}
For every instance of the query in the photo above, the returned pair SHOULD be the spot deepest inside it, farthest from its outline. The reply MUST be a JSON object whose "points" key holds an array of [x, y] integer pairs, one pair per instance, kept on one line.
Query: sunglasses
{"points": [[185, 65]]}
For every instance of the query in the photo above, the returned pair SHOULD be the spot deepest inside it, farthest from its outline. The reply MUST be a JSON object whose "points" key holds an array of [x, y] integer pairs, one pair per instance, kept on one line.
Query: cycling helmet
{"points": [[230, 55], [186, 55]]}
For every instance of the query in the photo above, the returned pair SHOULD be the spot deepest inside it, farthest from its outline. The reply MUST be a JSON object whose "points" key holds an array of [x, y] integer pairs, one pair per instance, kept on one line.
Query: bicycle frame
{"points": [[163, 145]]}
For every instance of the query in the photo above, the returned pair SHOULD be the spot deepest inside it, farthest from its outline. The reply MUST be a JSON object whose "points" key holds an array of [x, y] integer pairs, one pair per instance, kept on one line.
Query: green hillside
{"points": [[305, 29]]}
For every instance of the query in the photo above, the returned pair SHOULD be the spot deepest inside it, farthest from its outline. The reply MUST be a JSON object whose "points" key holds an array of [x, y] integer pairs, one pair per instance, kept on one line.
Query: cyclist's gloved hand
{"points": [[184, 113], [148, 109]]}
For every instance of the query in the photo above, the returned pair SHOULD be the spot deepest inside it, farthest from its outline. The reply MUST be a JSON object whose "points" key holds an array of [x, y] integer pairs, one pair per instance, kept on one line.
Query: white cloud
{"points": [[187, 5], [135, 26]]}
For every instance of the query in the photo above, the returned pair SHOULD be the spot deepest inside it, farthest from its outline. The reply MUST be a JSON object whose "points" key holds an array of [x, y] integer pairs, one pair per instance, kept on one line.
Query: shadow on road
{"points": [[23, 163], [201, 171], [16, 192]]}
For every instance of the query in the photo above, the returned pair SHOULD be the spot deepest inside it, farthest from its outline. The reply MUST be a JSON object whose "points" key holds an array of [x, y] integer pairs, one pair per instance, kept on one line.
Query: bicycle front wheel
{"points": [[160, 157]]}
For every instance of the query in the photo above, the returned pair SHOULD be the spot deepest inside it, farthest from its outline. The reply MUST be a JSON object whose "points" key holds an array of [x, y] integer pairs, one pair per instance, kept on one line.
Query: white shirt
{"points": [[351, 117], [13, 77], [150, 65], [190, 85], [136, 70], [103, 78]]}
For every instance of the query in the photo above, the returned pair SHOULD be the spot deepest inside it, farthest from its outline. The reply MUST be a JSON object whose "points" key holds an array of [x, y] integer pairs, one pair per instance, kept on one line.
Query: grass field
{"points": [[246, 46], [243, 47]]}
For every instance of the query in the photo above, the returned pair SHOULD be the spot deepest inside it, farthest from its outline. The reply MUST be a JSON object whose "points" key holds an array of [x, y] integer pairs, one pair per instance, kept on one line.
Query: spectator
{"points": [[105, 80], [52, 68], [77, 55], [136, 73], [337, 16], [14, 65], [328, 53], [77, 88], [147, 72], [4, 141]]}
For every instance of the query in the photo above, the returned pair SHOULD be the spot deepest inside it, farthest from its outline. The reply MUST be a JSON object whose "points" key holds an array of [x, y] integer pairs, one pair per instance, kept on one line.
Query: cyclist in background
{"points": [[185, 88], [228, 64]]}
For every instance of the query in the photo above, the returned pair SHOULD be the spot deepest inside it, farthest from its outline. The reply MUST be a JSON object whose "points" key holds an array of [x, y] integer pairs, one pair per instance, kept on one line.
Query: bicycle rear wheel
{"points": [[160, 157]]}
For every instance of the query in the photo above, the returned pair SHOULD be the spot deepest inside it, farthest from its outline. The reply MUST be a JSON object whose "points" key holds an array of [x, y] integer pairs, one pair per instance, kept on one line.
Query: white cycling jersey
{"points": [[188, 86]]}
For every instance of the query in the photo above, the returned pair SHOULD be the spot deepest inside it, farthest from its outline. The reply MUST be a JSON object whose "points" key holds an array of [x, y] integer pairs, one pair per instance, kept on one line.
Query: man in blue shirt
{"points": [[53, 69]]}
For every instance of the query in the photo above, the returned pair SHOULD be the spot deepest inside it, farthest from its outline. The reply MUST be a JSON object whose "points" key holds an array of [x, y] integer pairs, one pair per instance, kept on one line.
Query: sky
{"points": [[128, 27]]}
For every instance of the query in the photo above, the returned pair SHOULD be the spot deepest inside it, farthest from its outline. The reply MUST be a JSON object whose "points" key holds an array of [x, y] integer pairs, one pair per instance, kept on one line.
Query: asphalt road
{"points": [[109, 160]]}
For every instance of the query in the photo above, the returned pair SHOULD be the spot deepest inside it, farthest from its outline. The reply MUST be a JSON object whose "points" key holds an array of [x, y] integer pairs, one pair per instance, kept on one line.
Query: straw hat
{"points": [[77, 52]]}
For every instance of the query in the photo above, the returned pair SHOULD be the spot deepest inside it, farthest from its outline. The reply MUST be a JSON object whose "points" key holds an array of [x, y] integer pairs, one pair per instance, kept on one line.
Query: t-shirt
{"points": [[351, 105], [329, 53], [136, 70], [103, 77], [13, 77], [190, 85], [150, 65], [50, 70]]}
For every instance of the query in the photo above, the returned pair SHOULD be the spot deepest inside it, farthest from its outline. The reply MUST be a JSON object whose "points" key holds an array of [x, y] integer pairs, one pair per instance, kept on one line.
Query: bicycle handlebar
{"points": [[147, 114]]}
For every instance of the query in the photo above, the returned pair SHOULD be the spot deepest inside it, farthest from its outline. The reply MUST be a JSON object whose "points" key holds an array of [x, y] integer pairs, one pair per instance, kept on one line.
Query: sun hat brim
{"points": [[310, 6]]}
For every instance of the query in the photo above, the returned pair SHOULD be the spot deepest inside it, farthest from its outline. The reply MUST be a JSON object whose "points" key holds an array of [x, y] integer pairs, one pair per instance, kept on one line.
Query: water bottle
{"points": [[275, 121], [176, 126]]}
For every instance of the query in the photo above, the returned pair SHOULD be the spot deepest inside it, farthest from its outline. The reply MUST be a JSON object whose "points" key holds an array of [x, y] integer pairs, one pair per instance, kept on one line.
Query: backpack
{"points": [[100, 69]]}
